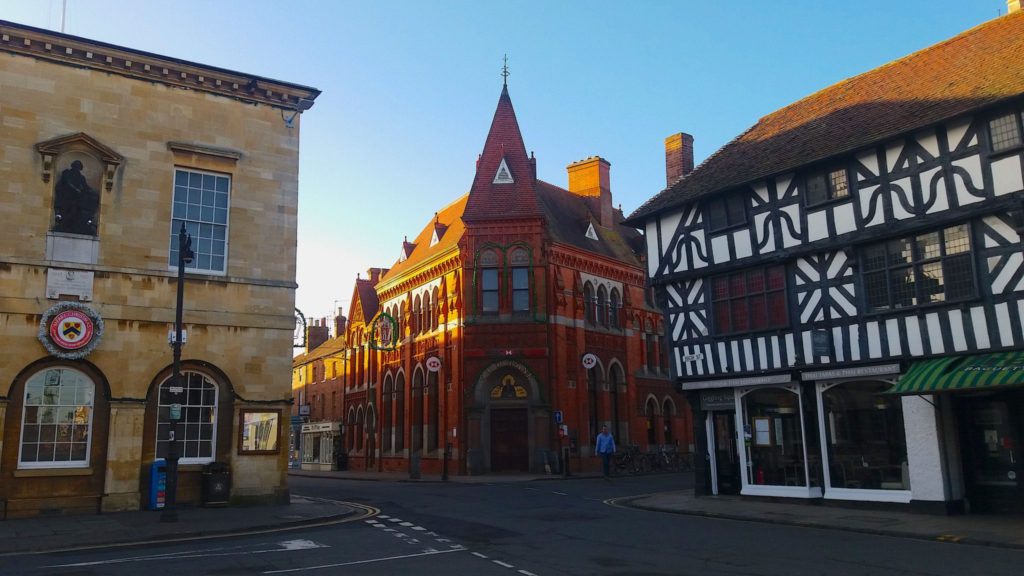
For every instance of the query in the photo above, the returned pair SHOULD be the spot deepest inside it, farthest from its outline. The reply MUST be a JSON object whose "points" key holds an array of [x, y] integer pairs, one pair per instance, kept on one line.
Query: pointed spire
{"points": [[504, 185]]}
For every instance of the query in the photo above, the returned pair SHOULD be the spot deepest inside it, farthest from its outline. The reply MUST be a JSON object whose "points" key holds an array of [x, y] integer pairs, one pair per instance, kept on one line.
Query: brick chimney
{"points": [[1014, 6], [316, 334], [590, 179], [339, 324], [678, 157]]}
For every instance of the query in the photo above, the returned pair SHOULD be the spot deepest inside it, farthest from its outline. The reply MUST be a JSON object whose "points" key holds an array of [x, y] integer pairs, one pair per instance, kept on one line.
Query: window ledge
{"points": [[40, 472]]}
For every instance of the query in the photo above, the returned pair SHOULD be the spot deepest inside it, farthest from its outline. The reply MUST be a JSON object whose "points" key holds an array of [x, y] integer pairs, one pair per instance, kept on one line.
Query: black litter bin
{"points": [[216, 484], [341, 461]]}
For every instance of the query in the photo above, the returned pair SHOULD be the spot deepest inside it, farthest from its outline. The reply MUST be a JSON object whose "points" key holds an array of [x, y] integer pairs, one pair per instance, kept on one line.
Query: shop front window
{"points": [[864, 436], [773, 438]]}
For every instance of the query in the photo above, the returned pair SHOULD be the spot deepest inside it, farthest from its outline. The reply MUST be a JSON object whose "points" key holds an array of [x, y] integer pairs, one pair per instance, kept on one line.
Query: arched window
{"points": [[350, 431], [651, 412], [359, 428], [615, 379], [197, 428], [520, 263], [402, 322], [433, 412], [417, 315], [400, 412], [595, 418], [435, 309], [602, 306], [650, 362], [668, 410], [416, 414], [615, 309], [387, 441], [56, 427], [489, 282], [588, 303]]}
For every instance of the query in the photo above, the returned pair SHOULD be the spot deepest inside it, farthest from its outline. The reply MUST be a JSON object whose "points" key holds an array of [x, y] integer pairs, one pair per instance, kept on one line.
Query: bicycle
{"points": [[628, 460]]}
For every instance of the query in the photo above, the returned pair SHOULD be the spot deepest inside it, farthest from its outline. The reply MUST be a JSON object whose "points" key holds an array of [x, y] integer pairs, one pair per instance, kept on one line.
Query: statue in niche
{"points": [[75, 204]]}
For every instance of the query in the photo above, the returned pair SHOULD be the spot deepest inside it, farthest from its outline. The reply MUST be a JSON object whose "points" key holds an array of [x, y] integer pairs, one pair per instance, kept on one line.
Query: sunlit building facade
{"points": [[105, 152], [511, 327]]}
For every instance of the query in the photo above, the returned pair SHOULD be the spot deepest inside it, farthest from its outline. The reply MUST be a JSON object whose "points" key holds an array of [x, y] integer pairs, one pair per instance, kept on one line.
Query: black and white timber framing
{"points": [[913, 184]]}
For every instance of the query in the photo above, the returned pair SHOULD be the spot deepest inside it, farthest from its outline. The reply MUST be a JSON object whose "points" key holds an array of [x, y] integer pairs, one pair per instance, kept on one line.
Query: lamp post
{"points": [[185, 255]]}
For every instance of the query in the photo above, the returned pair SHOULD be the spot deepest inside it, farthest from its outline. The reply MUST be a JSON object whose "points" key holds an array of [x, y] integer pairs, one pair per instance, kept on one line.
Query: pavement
{"points": [[55, 532]]}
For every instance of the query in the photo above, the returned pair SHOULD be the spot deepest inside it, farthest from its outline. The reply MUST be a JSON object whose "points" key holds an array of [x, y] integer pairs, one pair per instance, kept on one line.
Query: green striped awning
{"points": [[962, 373]]}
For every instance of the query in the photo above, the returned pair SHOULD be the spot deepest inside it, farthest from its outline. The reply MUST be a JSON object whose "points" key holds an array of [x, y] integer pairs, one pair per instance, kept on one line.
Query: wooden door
{"points": [[509, 440]]}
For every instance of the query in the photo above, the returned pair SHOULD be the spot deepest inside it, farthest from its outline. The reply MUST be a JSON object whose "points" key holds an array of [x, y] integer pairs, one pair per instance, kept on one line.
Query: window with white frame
{"points": [[56, 427], [197, 428], [201, 202], [1005, 131]]}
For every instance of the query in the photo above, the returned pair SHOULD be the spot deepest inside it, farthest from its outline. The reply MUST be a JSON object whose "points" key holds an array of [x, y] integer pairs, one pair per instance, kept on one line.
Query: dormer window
{"points": [[826, 185], [1004, 131], [726, 211]]}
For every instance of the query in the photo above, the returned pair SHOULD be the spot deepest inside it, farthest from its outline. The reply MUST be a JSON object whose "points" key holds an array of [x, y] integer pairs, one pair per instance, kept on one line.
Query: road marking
{"points": [[500, 563], [406, 524], [479, 555], [362, 511], [357, 562], [525, 573], [559, 493], [420, 528], [285, 546]]}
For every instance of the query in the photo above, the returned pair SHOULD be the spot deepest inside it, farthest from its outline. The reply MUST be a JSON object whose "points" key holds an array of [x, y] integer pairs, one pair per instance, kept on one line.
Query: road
{"points": [[542, 528]]}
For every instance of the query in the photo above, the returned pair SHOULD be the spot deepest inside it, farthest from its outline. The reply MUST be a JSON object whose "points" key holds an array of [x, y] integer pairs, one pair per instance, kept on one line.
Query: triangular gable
{"points": [[591, 233], [503, 176]]}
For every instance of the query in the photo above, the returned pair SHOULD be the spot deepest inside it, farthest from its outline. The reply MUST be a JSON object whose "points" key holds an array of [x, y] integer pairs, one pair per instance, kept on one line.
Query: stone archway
{"points": [[507, 421]]}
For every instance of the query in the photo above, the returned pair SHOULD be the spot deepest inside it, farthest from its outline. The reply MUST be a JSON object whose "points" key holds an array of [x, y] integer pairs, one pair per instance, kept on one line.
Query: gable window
{"points": [[918, 270], [826, 185], [589, 304], [602, 306], [750, 300], [616, 307], [489, 282], [56, 427], [1005, 131], [520, 260], [197, 428], [201, 202], [726, 211]]}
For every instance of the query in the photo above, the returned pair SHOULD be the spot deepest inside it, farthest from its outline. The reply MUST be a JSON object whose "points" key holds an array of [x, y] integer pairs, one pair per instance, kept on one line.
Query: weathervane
{"points": [[504, 71]]}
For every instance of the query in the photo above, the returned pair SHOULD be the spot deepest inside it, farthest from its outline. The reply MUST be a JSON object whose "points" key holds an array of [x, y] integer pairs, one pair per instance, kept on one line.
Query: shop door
{"points": [[727, 458], [509, 440], [992, 452]]}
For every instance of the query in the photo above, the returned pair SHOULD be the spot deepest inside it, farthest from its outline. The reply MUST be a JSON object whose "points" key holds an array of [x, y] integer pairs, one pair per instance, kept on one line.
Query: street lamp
{"points": [[185, 255]]}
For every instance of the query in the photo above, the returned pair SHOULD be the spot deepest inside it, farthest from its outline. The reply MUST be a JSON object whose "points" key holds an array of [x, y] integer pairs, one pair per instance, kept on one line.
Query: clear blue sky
{"points": [[409, 88]]}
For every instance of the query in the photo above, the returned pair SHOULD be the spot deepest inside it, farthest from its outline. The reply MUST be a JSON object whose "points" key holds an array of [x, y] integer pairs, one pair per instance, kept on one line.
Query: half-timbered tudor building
{"points": [[478, 334], [105, 153], [843, 285]]}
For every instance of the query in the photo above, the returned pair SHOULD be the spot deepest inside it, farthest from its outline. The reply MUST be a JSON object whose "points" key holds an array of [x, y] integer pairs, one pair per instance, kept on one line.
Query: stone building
{"points": [[104, 152], [512, 326]]}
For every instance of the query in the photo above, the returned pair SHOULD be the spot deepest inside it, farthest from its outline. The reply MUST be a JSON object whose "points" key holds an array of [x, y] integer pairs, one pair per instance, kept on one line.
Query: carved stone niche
{"points": [[79, 169], [53, 150]]}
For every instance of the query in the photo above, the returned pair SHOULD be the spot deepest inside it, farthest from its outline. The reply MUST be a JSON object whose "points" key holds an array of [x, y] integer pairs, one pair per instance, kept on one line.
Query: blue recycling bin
{"points": [[157, 484]]}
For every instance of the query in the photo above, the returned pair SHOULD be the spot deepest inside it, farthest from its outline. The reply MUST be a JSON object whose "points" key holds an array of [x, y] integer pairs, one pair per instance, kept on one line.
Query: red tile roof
{"points": [[977, 68], [488, 201]]}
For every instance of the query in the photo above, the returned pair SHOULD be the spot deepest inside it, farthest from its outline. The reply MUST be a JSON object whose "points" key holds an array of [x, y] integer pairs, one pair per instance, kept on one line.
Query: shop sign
{"points": [[820, 344], [433, 363], [718, 400], [70, 331], [589, 361], [693, 357], [320, 427], [879, 370]]}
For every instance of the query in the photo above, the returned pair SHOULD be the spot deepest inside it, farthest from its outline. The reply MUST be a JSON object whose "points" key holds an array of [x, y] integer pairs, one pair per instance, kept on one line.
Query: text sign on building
{"points": [[558, 416], [70, 330], [589, 361], [820, 344], [433, 363], [61, 282], [717, 400]]}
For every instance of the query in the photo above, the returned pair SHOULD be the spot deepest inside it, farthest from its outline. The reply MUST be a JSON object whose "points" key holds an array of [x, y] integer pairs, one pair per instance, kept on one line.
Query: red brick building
{"points": [[479, 334]]}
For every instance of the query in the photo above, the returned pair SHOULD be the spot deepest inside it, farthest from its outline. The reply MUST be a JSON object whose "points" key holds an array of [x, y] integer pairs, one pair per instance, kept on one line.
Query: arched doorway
{"points": [[509, 413]]}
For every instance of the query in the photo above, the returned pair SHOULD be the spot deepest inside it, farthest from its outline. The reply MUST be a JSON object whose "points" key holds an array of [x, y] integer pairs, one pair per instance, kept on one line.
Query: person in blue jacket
{"points": [[605, 447]]}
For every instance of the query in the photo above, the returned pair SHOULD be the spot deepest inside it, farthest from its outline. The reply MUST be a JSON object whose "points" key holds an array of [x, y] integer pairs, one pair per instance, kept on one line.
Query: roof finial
{"points": [[504, 72]]}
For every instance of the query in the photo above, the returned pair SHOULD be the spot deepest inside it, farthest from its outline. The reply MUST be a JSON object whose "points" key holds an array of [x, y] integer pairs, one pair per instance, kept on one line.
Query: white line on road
{"points": [[479, 555], [353, 563], [559, 493], [500, 563], [285, 546], [525, 573]]}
